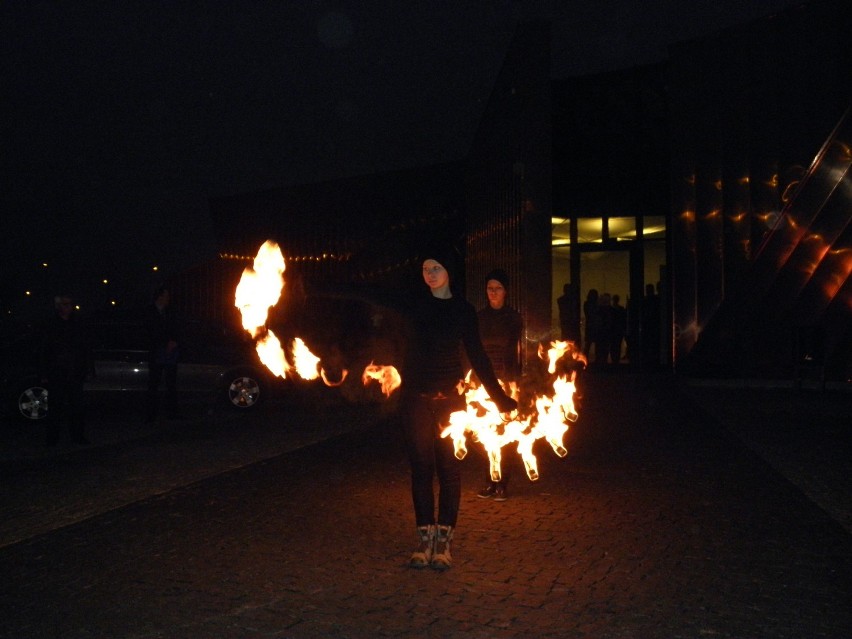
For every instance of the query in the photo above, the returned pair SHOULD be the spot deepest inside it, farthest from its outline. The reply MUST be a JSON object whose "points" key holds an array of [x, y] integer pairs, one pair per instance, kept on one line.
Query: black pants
{"points": [[158, 372], [66, 404], [429, 454]]}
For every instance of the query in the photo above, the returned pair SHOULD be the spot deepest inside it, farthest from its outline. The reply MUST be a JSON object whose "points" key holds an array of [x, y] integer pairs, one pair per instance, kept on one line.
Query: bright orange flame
{"points": [[557, 350], [387, 376], [549, 421], [258, 291], [328, 382], [305, 362], [271, 354], [260, 287]]}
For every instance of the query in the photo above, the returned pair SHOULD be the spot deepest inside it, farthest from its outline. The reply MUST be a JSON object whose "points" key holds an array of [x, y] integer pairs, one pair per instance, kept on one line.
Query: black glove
{"points": [[505, 404]]}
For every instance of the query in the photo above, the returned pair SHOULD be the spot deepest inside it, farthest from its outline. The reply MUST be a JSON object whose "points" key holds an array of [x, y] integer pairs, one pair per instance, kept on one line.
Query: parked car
{"points": [[213, 359]]}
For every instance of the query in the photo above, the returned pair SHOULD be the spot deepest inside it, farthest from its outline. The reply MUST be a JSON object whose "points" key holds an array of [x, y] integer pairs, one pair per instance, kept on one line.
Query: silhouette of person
{"points": [[569, 314], [618, 329], [501, 328], [604, 331], [64, 362], [651, 327], [163, 352], [592, 317]]}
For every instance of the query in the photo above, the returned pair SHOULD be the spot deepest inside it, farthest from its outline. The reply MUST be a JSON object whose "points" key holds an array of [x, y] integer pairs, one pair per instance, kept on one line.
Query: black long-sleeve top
{"points": [[440, 328], [161, 327], [64, 351], [501, 330]]}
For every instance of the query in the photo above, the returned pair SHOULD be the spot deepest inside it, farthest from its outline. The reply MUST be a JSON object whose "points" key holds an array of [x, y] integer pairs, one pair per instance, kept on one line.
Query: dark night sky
{"points": [[120, 118]]}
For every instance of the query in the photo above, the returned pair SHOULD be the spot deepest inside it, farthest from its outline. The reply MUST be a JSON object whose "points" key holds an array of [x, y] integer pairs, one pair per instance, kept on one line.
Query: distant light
{"points": [[156, 268], [112, 302], [44, 264], [27, 293], [106, 281]]}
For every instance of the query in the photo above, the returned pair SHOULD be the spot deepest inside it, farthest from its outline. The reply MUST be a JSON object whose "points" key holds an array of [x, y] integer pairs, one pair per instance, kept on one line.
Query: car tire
{"points": [[32, 403], [243, 390]]}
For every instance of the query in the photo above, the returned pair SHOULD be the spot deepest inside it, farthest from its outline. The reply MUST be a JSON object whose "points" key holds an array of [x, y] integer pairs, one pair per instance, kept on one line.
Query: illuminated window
{"points": [[655, 227], [621, 228]]}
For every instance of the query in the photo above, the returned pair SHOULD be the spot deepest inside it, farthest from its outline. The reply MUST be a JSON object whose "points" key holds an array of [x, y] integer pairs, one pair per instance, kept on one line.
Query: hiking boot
{"points": [[441, 557], [421, 557], [487, 492], [500, 493]]}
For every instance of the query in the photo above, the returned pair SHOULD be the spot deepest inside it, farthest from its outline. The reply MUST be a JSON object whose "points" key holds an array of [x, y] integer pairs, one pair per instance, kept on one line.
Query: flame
{"points": [[259, 290], [387, 376], [548, 421], [547, 417], [260, 287], [306, 363], [271, 354], [557, 350], [327, 382]]}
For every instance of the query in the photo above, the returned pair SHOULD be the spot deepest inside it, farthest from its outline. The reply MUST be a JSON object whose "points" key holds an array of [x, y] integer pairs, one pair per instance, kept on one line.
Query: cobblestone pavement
{"points": [[660, 522]]}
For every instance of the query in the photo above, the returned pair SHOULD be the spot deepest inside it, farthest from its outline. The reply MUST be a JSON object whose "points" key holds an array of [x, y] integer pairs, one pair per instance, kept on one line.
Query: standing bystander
{"points": [[591, 315], [569, 314], [618, 329], [64, 362], [161, 325], [501, 328]]}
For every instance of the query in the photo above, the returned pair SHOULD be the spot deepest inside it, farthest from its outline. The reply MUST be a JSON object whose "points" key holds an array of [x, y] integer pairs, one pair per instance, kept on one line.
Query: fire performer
{"points": [[441, 323], [501, 327]]}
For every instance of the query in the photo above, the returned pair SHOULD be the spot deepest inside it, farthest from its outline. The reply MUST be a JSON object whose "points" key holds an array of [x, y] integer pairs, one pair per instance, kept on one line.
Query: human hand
{"points": [[505, 404]]}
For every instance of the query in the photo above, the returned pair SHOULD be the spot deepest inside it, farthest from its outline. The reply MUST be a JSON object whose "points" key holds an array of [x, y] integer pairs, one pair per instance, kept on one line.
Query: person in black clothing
{"points": [[440, 323], [651, 327], [64, 362], [604, 330], [618, 329], [569, 314], [501, 328], [593, 324], [162, 330]]}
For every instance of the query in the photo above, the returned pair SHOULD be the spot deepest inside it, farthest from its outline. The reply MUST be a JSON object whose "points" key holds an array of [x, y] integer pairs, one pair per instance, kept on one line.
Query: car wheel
{"points": [[32, 403], [243, 391]]}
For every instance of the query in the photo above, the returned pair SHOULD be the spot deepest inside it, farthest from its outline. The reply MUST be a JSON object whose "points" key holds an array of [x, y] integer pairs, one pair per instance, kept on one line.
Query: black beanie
{"points": [[444, 254], [500, 275]]}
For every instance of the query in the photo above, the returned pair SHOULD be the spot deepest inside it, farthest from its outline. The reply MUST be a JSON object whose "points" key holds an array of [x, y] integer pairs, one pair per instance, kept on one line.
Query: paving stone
{"points": [[661, 522]]}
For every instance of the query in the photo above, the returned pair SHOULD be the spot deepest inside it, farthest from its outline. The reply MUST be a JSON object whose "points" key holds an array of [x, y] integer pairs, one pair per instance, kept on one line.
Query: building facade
{"points": [[658, 184]]}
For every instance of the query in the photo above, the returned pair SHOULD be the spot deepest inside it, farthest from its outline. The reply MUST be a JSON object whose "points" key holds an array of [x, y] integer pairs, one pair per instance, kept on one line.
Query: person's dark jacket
{"points": [[439, 328], [64, 351], [162, 330], [501, 330]]}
